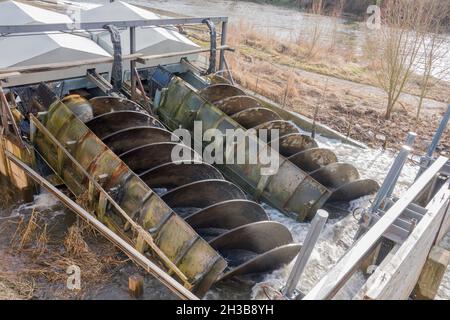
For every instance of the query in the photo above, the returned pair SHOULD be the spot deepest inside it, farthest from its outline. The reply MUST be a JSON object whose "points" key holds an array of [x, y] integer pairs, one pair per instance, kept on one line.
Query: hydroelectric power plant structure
{"points": [[91, 102]]}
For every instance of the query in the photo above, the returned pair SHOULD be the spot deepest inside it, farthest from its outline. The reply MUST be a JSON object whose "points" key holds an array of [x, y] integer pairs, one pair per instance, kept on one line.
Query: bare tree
{"points": [[316, 30], [398, 41], [434, 49]]}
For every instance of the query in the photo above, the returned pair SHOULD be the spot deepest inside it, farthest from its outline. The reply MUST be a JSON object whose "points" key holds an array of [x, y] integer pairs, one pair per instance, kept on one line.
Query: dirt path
{"points": [[365, 91]]}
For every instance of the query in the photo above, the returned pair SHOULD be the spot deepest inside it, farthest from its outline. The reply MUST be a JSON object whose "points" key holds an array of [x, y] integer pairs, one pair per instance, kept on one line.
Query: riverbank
{"points": [[334, 84], [354, 8], [41, 239], [319, 65]]}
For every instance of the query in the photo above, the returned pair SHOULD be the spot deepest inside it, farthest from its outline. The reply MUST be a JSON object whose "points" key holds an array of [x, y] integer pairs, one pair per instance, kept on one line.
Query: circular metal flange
{"points": [[235, 104], [253, 117], [228, 215], [126, 139], [336, 174], [313, 159], [176, 174], [144, 158], [108, 123], [220, 91]]}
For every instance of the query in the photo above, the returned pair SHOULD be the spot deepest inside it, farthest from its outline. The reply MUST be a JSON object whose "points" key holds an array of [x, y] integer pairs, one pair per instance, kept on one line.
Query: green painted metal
{"points": [[198, 261], [290, 190]]}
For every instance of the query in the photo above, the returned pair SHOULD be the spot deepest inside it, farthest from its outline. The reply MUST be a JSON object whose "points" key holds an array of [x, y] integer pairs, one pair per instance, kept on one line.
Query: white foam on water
{"points": [[338, 235], [335, 240], [42, 201]]}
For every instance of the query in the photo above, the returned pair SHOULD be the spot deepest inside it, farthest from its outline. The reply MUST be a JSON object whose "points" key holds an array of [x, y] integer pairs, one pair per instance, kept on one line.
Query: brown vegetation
{"points": [[46, 260], [286, 72], [400, 43]]}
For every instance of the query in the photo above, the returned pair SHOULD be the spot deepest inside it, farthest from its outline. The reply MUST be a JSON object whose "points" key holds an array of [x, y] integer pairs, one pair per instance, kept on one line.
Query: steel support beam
{"points": [[223, 42], [133, 62], [131, 252], [100, 25]]}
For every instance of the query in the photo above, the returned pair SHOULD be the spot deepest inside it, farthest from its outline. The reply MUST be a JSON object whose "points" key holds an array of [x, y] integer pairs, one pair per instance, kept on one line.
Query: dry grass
{"points": [[31, 235], [13, 287], [315, 49], [270, 67], [95, 268], [6, 196], [47, 262]]}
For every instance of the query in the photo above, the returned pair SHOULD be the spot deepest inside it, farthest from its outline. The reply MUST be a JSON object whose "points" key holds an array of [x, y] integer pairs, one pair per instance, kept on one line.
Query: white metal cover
{"points": [[43, 48], [117, 11], [149, 40], [18, 13], [26, 50]]}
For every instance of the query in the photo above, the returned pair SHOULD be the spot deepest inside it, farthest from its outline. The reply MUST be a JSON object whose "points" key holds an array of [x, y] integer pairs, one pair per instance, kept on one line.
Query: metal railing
{"points": [[131, 24], [129, 250], [105, 198], [335, 279]]}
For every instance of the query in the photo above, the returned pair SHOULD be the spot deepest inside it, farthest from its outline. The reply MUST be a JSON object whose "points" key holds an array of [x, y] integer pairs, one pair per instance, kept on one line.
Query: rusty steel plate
{"points": [[176, 239], [102, 105], [220, 91], [176, 174], [257, 237], [235, 104], [294, 143], [149, 156], [130, 138], [336, 174], [109, 123], [216, 78], [283, 127], [354, 190], [266, 262], [202, 194], [79, 106], [228, 215], [313, 159], [255, 116]]}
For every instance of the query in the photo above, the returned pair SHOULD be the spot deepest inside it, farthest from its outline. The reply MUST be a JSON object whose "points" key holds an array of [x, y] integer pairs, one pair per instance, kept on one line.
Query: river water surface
{"points": [[288, 24]]}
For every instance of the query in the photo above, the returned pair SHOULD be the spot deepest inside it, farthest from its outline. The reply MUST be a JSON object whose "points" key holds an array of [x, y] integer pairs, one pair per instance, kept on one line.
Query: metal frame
{"points": [[131, 24], [105, 198], [335, 279], [129, 250], [100, 25]]}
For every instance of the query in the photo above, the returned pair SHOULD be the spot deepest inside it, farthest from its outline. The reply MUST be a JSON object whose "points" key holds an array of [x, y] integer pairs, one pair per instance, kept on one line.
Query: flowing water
{"points": [[288, 24], [337, 236], [335, 240]]}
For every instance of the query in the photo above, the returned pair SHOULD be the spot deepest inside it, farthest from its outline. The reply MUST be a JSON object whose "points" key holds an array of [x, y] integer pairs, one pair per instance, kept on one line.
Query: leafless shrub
{"points": [[14, 287], [434, 49], [399, 42], [310, 38]]}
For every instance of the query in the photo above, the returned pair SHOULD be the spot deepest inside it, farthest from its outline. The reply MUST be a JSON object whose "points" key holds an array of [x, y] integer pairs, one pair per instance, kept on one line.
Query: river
{"points": [[334, 241], [288, 24], [338, 235]]}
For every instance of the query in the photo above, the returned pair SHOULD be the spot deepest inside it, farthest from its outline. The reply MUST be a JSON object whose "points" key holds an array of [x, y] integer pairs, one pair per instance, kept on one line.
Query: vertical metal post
{"points": [[7, 113], [410, 139], [133, 63], [425, 161], [223, 42], [4, 116], [440, 131], [317, 225], [409, 142], [390, 178]]}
